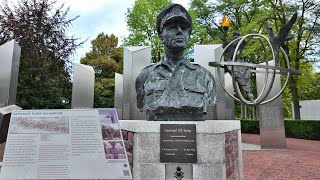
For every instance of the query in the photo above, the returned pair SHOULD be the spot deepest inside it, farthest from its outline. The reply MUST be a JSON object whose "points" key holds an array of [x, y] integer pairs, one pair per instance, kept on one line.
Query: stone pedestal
{"points": [[218, 146], [271, 119]]}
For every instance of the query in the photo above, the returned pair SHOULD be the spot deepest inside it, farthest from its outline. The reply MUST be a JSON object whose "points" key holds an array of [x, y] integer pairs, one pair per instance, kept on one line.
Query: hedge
{"points": [[302, 129], [250, 126]]}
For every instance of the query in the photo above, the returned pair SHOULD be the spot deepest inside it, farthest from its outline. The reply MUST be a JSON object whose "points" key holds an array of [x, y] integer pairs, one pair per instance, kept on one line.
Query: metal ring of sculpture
{"points": [[265, 90]]}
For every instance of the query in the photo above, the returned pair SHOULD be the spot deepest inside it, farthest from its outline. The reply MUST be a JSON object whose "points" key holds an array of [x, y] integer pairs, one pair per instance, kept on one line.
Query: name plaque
{"points": [[178, 143]]}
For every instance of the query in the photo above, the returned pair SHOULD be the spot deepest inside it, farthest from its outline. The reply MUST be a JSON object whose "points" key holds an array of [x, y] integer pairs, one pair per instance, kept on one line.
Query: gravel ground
{"points": [[301, 160]]}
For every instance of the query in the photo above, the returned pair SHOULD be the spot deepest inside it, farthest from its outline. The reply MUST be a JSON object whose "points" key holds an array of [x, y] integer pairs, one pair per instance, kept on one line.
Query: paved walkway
{"points": [[301, 160]]}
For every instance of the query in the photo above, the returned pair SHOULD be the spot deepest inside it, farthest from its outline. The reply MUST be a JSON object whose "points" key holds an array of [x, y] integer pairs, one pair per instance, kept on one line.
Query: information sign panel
{"points": [[65, 144]]}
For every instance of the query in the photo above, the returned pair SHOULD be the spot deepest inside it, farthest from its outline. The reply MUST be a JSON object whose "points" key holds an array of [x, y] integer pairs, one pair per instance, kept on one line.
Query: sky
{"points": [[96, 16]]}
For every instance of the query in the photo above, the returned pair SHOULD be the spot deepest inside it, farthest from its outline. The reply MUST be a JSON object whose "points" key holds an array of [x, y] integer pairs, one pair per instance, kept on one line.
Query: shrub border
{"points": [[302, 129]]}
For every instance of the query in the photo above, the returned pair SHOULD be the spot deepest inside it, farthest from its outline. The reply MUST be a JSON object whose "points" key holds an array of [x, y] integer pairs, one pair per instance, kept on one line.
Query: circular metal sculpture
{"points": [[231, 65], [240, 70]]}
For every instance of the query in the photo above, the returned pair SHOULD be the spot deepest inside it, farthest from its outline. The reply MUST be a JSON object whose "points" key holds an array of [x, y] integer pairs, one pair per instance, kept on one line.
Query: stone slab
{"points": [[208, 171], [118, 94], [208, 126], [154, 171], [250, 147], [271, 119], [210, 145], [135, 59], [83, 86], [148, 151], [203, 54], [309, 110], [9, 70]]}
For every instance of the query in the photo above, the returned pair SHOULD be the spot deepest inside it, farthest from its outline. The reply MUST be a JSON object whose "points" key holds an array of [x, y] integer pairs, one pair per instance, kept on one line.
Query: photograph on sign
{"points": [[22, 125], [110, 132], [114, 150], [108, 116]]}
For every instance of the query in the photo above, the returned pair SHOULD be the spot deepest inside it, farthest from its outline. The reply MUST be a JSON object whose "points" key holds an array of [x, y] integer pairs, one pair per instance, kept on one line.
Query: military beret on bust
{"points": [[170, 12]]}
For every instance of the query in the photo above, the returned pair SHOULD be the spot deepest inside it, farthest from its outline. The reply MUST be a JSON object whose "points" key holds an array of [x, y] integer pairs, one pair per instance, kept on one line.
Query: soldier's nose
{"points": [[179, 29]]}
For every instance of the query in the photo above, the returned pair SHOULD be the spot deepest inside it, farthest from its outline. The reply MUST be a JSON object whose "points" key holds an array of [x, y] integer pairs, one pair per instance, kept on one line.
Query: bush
{"points": [[250, 126], [301, 129]]}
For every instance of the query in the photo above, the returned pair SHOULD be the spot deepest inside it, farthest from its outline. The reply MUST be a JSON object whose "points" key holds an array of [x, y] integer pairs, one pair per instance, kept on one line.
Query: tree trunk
{"points": [[295, 98]]}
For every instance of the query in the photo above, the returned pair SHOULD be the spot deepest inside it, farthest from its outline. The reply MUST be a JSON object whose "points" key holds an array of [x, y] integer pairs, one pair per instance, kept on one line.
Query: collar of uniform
{"points": [[190, 65], [161, 62], [186, 62]]}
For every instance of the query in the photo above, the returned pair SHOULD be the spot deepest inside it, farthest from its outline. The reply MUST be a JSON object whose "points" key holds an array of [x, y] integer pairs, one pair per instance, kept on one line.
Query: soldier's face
{"points": [[175, 34]]}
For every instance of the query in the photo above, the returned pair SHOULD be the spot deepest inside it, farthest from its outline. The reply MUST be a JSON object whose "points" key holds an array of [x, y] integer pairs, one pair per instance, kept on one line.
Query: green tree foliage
{"points": [[39, 28], [309, 83], [141, 23], [205, 30], [106, 59], [303, 48], [249, 16], [245, 16]]}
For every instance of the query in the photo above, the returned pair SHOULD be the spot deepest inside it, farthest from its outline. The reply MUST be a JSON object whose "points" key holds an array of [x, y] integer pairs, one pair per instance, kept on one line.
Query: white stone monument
{"points": [[83, 86], [271, 119], [135, 59], [118, 93], [309, 110], [9, 71], [203, 54]]}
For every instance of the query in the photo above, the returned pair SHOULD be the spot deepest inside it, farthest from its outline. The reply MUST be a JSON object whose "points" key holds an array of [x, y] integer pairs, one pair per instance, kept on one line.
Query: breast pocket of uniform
{"points": [[155, 86], [193, 95]]}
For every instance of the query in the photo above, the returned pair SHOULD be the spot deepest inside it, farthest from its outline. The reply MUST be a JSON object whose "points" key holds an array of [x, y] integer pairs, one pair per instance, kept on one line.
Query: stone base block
{"points": [[218, 146]]}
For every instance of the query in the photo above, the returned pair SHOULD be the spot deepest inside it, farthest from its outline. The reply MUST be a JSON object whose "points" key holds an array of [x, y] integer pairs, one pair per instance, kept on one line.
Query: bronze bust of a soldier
{"points": [[175, 89]]}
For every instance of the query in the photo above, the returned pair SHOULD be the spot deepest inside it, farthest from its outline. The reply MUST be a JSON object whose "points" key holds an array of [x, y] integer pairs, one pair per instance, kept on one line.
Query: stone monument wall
{"points": [[309, 110], [83, 86], [218, 144], [203, 54], [135, 59], [271, 119], [9, 70]]}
